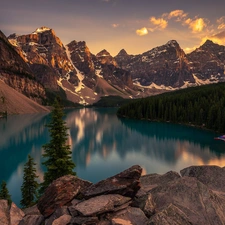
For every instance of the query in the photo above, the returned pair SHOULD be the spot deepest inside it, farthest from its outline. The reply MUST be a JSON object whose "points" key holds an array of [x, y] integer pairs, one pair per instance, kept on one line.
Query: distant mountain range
{"points": [[39, 65]]}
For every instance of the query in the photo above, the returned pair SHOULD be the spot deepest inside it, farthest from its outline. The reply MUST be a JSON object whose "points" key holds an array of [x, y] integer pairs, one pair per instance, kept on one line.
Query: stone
{"points": [[62, 220], [151, 181], [33, 210], [101, 204], [4, 212], [212, 176], [146, 204], [193, 198], [84, 221], [171, 215], [61, 192], [57, 214], [125, 183], [16, 214], [130, 216], [32, 220]]}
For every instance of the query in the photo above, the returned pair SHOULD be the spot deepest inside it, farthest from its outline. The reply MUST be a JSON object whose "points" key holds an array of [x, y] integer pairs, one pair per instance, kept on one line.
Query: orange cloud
{"points": [[221, 23], [196, 25], [189, 50], [179, 14], [143, 31], [218, 38], [160, 23], [115, 25]]}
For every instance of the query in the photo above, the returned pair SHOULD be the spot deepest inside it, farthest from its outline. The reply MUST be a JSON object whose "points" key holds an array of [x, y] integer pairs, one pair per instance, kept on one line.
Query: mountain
{"points": [[84, 77], [16, 103], [207, 62], [163, 66], [15, 72]]}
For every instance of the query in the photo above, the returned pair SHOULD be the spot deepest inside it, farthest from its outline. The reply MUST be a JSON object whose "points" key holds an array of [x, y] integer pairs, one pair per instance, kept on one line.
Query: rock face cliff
{"points": [[207, 62], [86, 77], [194, 198], [15, 72], [166, 65]]}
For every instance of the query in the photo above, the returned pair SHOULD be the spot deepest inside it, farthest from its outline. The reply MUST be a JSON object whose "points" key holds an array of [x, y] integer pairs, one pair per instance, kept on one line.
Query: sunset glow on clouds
{"points": [[143, 31], [196, 25], [189, 25], [159, 23], [136, 26]]}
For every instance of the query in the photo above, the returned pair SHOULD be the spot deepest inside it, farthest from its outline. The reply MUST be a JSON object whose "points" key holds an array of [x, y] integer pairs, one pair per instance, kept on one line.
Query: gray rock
{"points": [[62, 220], [16, 214], [32, 220], [146, 204], [212, 176], [4, 212], [125, 183], [60, 192], [130, 216], [84, 221], [151, 181], [170, 216], [193, 198], [101, 204], [32, 210], [58, 213]]}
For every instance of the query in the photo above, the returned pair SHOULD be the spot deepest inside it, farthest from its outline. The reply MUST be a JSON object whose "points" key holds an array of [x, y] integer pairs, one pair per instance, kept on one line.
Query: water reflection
{"points": [[103, 145]]}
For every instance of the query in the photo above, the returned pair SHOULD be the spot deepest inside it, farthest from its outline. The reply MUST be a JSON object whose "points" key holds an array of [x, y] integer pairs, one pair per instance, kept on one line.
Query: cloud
{"points": [[115, 25], [221, 23], [178, 14], [218, 38], [143, 31], [159, 23], [189, 50], [196, 25]]}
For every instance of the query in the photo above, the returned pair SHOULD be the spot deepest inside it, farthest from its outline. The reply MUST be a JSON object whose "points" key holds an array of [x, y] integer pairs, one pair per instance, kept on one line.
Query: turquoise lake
{"points": [[103, 145]]}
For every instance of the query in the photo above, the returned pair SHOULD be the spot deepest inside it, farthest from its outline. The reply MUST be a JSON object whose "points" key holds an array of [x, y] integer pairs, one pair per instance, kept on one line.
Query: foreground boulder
{"points": [[101, 204], [196, 201], [126, 183], [129, 199], [212, 176], [60, 192]]}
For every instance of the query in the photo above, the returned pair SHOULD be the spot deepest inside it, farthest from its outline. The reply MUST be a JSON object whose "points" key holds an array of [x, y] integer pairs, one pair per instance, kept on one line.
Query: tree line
{"points": [[58, 161], [202, 106]]}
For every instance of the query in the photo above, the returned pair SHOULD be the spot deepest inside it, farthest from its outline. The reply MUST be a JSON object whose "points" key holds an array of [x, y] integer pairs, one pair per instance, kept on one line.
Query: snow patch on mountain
{"points": [[41, 29], [97, 72], [79, 74]]}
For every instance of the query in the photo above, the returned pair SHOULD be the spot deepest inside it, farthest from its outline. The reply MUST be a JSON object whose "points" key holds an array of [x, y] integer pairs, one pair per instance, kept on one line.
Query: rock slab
{"points": [[60, 192], [126, 183]]}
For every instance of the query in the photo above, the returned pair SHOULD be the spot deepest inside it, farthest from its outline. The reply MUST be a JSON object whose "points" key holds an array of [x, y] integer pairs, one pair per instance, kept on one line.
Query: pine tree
{"points": [[4, 193], [57, 153], [30, 185]]}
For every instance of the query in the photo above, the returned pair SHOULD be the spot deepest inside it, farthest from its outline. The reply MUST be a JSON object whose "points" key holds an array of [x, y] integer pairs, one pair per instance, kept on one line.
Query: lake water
{"points": [[103, 145]]}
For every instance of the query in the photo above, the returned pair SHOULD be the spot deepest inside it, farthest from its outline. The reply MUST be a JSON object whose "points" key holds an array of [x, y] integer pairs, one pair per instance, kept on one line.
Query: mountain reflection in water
{"points": [[103, 145]]}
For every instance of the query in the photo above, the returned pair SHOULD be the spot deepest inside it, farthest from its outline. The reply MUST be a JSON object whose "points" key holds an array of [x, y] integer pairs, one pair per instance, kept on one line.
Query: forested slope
{"points": [[202, 106]]}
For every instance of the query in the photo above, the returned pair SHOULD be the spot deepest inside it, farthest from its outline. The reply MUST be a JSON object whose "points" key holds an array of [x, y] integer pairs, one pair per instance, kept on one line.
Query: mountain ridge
{"points": [[86, 77]]}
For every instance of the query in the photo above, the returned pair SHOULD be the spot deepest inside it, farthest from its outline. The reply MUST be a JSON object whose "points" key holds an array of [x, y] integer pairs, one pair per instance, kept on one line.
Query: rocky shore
{"points": [[196, 196]]}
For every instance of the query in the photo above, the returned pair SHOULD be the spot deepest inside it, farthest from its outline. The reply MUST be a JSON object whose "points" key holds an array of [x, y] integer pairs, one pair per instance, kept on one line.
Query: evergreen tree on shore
{"points": [[30, 185], [57, 152], [4, 193]]}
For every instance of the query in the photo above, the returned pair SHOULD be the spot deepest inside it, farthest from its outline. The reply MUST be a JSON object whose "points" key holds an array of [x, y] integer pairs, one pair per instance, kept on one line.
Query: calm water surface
{"points": [[103, 145]]}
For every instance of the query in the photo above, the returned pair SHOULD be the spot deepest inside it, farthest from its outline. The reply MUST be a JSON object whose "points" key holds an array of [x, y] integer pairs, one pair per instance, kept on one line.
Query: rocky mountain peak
{"points": [[104, 57], [103, 53], [41, 30], [122, 53], [78, 46], [172, 43], [208, 42]]}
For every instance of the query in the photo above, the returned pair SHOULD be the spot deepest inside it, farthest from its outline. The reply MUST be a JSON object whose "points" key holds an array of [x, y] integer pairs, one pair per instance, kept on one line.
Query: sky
{"points": [[134, 25]]}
